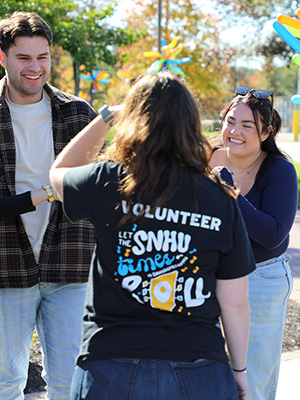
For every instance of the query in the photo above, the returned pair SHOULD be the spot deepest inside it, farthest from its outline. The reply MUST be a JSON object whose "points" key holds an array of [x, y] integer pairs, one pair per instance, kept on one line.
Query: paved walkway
{"points": [[289, 378]]}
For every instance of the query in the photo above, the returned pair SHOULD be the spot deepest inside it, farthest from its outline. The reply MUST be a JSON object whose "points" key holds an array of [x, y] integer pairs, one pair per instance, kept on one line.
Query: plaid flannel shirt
{"points": [[67, 247]]}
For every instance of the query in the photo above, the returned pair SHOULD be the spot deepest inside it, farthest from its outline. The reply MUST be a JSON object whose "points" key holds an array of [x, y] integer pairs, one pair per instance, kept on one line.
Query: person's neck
{"points": [[22, 99], [240, 165]]}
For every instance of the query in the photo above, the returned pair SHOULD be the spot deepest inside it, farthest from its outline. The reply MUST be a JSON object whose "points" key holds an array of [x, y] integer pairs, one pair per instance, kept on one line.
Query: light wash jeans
{"points": [[270, 286], [146, 379], [57, 311]]}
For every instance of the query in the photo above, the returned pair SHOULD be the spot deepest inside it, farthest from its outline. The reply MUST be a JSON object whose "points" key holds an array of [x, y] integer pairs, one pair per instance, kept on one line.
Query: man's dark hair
{"points": [[22, 24]]}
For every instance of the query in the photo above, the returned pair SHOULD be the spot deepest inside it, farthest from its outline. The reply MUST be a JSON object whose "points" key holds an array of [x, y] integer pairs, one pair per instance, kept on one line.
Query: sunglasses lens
{"points": [[133, 80], [242, 90], [262, 94]]}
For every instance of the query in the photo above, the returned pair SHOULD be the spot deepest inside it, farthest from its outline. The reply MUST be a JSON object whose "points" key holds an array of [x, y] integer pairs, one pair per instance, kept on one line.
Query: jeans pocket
{"points": [[205, 379], [192, 364], [125, 360], [276, 270]]}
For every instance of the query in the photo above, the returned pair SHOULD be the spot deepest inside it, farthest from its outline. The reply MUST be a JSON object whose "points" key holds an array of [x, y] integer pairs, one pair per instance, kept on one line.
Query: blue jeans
{"points": [[56, 310], [136, 379], [270, 286]]}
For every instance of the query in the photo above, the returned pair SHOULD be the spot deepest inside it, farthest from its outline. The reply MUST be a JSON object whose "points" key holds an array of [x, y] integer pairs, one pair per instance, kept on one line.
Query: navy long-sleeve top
{"points": [[13, 206], [269, 208]]}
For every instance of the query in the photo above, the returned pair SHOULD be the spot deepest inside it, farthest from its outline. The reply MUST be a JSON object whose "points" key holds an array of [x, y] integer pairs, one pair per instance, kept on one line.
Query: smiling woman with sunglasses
{"points": [[249, 159]]}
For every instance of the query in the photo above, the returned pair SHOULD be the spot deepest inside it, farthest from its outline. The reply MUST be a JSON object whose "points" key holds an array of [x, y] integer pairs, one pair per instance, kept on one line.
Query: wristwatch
{"points": [[48, 189], [106, 114]]}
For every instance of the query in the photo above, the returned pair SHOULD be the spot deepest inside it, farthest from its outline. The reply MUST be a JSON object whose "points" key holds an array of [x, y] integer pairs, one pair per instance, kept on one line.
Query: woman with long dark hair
{"points": [[268, 200], [172, 253]]}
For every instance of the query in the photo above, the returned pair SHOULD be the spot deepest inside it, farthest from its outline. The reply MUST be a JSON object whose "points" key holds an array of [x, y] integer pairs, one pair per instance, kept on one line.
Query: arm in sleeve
{"points": [[271, 224], [238, 259], [81, 150], [226, 176], [13, 206], [78, 184]]}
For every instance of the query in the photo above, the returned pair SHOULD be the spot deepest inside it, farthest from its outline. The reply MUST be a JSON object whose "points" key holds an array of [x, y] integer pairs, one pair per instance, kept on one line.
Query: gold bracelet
{"points": [[48, 189]]}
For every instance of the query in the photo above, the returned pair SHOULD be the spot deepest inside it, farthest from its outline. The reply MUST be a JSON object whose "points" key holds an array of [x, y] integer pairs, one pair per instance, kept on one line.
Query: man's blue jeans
{"points": [[57, 312], [269, 288], [136, 379]]}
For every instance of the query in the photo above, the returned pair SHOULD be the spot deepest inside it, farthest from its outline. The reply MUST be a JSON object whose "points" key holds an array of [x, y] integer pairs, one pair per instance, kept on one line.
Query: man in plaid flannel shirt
{"points": [[44, 259]]}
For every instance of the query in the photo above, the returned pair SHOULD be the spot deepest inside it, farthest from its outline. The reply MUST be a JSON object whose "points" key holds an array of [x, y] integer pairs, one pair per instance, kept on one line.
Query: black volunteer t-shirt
{"points": [[152, 282]]}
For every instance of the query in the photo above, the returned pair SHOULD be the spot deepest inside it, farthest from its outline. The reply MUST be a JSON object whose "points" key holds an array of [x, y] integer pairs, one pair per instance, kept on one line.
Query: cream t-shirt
{"points": [[32, 125]]}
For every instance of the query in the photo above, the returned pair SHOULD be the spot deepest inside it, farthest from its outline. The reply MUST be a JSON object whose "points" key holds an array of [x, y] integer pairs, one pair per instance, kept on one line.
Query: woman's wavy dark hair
{"points": [[158, 139], [262, 110]]}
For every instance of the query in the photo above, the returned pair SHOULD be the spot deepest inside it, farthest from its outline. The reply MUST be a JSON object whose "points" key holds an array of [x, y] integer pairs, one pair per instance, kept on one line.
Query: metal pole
{"points": [[159, 26]]}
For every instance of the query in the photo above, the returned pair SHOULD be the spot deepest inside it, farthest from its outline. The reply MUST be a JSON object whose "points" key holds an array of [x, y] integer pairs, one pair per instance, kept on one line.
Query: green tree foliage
{"points": [[258, 9], [208, 73], [79, 28], [273, 48], [259, 12], [283, 81]]}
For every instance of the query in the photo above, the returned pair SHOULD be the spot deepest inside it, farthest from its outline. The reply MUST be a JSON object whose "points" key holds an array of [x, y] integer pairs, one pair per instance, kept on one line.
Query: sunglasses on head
{"points": [[259, 94]]}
